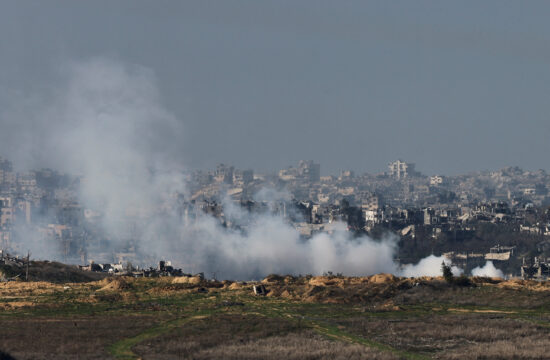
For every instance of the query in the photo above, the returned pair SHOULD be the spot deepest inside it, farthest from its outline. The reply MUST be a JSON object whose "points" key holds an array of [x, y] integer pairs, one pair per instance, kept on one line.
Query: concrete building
{"points": [[243, 177], [309, 170], [288, 174], [401, 170], [437, 180], [7, 176], [6, 211], [370, 201], [224, 174]]}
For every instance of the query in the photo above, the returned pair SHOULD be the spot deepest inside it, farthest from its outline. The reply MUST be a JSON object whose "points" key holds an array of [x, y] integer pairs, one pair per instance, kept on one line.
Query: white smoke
{"points": [[105, 122], [113, 129], [270, 194], [429, 266], [488, 270], [270, 245], [108, 124]]}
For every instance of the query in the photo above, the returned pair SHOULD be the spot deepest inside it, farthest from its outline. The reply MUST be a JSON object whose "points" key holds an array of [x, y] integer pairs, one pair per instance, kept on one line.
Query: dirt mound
{"points": [[284, 292], [28, 288], [58, 273], [102, 282], [289, 279], [193, 280], [383, 279], [227, 283], [525, 284], [358, 280], [327, 281], [273, 278], [339, 289], [236, 286], [115, 285], [485, 280]]}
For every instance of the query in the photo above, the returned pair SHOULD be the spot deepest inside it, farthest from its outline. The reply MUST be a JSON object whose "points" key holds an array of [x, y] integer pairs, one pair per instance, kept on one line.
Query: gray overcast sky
{"points": [[451, 86]]}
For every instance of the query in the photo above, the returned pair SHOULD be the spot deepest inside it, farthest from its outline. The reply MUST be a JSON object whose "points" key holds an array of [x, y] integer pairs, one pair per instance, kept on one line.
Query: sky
{"points": [[451, 86]]}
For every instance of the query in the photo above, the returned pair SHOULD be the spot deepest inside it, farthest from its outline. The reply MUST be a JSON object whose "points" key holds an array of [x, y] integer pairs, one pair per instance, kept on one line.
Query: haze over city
{"points": [[453, 87]]}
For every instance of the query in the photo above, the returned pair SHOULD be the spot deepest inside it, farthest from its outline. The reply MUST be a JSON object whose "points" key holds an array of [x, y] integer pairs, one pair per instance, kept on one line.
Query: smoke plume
{"points": [[488, 270], [429, 266], [106, 122]]}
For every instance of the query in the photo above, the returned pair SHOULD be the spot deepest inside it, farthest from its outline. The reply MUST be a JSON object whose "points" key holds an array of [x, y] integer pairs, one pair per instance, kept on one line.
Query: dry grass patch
{"points": [[214, 331], [302, 345], [533, 347], [453, 334], [67, 338]]}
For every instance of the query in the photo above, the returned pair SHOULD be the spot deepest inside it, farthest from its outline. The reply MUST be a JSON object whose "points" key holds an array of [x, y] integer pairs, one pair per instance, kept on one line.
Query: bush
{"points": [[462, 280], [447, 272]]}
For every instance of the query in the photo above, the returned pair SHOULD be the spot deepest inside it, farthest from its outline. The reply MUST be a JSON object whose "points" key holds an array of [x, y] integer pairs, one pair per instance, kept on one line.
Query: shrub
{"points": [[462, 280], [447, 272]]}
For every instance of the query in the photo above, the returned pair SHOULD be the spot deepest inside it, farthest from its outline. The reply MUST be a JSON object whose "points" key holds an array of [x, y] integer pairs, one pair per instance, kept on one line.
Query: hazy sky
{"points": [[451, 86]]}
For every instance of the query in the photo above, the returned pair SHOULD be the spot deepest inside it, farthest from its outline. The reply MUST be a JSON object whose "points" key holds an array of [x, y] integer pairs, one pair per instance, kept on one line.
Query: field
{"points": [[377, 317]]}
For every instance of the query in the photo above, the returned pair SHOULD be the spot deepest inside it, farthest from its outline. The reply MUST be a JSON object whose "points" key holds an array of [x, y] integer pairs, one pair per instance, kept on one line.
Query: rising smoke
{"points": [[107, 123], [488, 270], [429, 266]]}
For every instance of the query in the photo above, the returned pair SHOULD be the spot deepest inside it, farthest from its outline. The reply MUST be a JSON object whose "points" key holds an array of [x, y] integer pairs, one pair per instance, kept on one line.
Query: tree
{"points": [[447, 272]]}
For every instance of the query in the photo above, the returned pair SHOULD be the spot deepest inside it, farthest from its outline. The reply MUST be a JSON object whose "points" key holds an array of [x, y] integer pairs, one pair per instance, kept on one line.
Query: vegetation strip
{"points": [[334, 333], [123, 349]]}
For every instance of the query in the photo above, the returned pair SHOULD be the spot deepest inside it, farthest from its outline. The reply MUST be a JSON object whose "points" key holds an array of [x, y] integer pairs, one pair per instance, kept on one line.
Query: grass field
{"points": [[301, 318]]}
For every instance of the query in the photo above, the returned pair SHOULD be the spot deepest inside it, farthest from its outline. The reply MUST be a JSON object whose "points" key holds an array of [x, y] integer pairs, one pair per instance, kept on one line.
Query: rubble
{"points": [[259, 290], [11, 261], [538, 270], [164, 268]]}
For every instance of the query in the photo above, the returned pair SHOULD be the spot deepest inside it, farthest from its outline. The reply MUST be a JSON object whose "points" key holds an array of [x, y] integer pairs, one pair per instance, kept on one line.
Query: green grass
{"points": [[309, 315], [337, 334], [123, 349]]}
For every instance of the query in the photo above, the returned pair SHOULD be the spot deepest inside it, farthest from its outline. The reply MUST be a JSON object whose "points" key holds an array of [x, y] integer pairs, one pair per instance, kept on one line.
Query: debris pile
{"points": [[7, 265], [7, 259], [164, 268], [259, 290], [538, 270]]}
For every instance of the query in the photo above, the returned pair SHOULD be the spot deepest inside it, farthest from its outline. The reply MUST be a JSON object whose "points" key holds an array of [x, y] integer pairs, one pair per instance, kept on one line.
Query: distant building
{"points": [[243, 177], [26, 182], [370, 201], [6, 211], [288, 174], [401, 170], [7, 176], [539, 270], [309, 170], [346, 175], [430, 217], [202, 178], [224, 174], [437, 180]]}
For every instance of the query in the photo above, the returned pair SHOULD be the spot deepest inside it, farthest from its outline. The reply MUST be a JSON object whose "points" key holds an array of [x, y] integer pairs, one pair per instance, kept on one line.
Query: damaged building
{"points": [[538, 270]]}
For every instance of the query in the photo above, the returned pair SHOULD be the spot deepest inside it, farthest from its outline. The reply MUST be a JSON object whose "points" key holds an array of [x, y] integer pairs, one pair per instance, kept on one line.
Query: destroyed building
{"points": [[538, 270], [163, 269]]}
